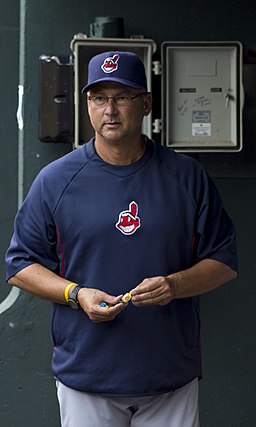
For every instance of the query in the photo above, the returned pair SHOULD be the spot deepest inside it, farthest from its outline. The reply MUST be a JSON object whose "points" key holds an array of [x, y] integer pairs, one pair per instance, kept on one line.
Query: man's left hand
{"points": [[154, 291]]}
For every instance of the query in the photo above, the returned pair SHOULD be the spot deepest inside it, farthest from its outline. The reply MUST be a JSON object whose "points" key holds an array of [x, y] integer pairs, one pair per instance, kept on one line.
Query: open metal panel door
{"points": [[84, 49], [202, 96]]}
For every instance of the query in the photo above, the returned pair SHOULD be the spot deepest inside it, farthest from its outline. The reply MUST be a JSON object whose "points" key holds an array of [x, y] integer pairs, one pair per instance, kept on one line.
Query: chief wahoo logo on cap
{"points": [[110, 64]]}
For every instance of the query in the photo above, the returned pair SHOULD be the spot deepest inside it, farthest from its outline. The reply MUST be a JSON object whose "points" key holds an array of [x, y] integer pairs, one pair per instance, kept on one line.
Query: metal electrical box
{"points": [[202, 96], [198, 86]]}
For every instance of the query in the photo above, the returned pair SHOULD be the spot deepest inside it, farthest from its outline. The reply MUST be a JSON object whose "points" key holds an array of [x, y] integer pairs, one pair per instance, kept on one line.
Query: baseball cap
{"points": [[122, 67]]}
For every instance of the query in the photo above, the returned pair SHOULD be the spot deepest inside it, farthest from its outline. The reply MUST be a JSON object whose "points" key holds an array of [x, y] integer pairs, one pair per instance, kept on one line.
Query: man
{"points": [[123, 214]]}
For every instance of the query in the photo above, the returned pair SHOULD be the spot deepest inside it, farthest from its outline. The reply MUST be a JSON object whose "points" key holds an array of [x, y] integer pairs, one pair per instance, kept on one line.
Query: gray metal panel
{"points": [[202, 96]]}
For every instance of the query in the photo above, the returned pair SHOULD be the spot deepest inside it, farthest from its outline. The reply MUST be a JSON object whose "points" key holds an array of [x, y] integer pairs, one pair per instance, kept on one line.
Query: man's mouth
{"points": [[112, 124]]}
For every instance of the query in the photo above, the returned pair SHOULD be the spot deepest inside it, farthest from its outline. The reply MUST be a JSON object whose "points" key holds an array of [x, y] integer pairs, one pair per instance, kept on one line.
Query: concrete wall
{"points": [[228, 315]]}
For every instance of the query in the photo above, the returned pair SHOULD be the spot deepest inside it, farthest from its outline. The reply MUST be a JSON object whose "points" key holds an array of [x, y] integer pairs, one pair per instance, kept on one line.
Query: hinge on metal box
{"points": [[157, 68], [157, 126]]}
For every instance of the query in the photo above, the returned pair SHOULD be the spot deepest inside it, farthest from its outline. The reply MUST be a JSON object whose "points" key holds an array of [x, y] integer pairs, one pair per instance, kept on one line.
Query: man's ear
{"points": [[147, 104]]}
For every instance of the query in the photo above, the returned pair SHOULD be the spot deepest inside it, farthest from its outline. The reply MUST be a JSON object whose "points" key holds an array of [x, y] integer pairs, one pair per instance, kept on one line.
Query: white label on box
{"points": [[201, 129], [201, 125]]}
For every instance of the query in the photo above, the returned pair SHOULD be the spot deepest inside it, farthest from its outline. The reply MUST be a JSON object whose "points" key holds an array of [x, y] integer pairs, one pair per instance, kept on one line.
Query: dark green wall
{"points": [[9, 39], [46, 27]]}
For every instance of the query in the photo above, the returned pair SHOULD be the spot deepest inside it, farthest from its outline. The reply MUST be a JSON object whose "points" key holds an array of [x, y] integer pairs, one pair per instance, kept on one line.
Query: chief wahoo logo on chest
{"points": [[128, 221]]}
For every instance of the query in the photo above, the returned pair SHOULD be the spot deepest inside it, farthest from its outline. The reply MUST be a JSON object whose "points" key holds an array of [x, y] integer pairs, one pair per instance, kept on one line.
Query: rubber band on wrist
{"points": [[66, 290]]}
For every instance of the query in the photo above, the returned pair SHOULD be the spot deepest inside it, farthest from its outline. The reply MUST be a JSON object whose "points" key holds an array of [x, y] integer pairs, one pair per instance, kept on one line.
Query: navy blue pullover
{"points": [[109, 227]]}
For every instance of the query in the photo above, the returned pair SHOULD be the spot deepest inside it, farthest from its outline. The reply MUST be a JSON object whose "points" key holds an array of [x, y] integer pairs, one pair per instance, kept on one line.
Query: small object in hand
{"points": [[104, 304], [126, 297]]}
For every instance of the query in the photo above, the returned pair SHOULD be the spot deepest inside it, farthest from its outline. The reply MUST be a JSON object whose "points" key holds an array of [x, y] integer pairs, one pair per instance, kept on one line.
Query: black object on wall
{"points": [[56, 97]]}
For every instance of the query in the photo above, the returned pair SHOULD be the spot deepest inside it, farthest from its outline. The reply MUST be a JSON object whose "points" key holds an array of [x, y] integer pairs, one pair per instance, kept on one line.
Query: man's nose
{"points": [[111, 106]]}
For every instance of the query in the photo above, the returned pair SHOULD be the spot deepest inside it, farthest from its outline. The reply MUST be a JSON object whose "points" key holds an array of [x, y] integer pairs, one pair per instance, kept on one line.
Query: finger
{"points": [[102, 315], [149, 294], [158, 296], [110, 312], [160, 300], [147, 285], [109, 301]]}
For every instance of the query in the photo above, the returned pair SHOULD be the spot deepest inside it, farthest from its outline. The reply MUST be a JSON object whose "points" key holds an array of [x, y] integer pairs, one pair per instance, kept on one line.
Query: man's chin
{"points": [[112, 135]]}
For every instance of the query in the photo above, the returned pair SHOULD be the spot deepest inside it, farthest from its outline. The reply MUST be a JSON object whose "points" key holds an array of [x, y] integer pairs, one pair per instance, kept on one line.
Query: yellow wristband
{"points": [[66, 290]]}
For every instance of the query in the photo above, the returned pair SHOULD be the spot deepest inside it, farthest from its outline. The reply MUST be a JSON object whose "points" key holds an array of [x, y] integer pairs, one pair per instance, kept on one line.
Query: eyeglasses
{"points": [[101, 100]]}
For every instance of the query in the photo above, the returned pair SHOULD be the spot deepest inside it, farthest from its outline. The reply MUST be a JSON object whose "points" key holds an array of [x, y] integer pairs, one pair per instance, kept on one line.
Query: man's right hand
{"points": [[90, 300]]}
